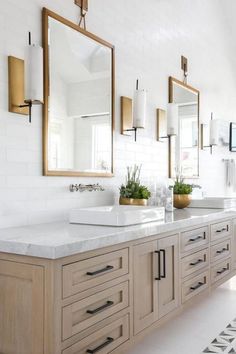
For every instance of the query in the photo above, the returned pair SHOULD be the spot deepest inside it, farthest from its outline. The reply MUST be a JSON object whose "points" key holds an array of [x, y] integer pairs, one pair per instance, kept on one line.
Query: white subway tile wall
{"points": [[149, 41]]}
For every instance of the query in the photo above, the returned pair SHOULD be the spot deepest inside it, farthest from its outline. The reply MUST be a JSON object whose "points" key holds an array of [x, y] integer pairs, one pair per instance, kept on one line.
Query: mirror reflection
{"points": [[185, 149], [79, 119]]}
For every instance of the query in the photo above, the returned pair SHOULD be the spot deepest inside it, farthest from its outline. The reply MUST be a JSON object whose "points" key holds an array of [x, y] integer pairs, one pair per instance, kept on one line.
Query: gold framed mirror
{"points": [[79, 86], [185, 146]]}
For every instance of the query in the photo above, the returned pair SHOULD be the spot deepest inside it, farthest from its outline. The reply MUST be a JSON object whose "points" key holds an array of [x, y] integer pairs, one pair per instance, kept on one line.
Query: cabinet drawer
{"points": [[193, 239], [85, 313], [194, 262], [221, 229], [86, 274], [221, 250], [194, 286], [220, 270], [103, 341]]}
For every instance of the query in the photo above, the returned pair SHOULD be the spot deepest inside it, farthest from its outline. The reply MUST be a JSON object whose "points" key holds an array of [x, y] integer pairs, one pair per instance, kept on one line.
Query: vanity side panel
{"points": [[38, 273], [21, 308]]}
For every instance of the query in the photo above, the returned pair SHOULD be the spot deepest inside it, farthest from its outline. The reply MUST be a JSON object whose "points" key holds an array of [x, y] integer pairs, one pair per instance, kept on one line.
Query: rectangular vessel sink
{"points": [[214, 203], [120, 215]]}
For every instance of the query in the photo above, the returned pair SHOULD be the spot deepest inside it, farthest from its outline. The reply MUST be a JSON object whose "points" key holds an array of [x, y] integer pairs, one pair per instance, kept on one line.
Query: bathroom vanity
{"points": [[76, 289]]}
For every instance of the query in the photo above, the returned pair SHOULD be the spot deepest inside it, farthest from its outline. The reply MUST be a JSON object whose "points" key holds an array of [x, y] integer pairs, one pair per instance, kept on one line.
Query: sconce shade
{"points": [[34, 74], [214, 132], [172, 119], [139, 108]]}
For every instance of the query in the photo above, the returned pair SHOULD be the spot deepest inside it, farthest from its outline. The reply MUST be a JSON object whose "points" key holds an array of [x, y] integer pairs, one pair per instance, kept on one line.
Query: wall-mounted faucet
{"points": [[86, 188]]}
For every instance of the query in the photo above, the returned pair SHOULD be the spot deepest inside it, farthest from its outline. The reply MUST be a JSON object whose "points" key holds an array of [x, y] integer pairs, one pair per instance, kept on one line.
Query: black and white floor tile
{"points": [[225, 342]]}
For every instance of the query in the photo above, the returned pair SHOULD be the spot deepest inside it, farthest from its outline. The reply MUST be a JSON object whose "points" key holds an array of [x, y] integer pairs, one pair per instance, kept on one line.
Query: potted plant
{"points": [[133, 193], [182, 193]]}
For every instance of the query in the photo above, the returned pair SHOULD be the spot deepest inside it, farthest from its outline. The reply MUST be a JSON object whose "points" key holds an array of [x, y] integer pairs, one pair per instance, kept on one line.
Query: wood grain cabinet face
{"points": [[221, 250], [220, 270], [221, 230], [89, 311], [194, 262], [104, 341], [194, 286], [155, 281], [169, 283], [86, 274], [234, 245], [193, 239], [21, 308], [145, 286]]}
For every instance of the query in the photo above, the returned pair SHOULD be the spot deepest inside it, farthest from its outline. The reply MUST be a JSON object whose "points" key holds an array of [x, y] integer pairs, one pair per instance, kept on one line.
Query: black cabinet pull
{"points": [[164, 263], [197, 286], [196, 238], [222, 230], [159, 265], [222, 271], [103, 307], [108, 341], [222, 251], [100, 270], [197, 262]]}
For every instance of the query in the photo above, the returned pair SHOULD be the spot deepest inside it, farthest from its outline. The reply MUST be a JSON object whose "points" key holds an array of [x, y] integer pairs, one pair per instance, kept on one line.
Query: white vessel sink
{"points": [[122, 215], [214, 203]]}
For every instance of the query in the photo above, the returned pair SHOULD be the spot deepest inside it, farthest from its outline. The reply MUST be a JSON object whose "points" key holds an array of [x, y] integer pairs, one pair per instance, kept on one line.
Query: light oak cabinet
{"points": [[21, 308], [155, 275], [234, 245], [102, 301]]}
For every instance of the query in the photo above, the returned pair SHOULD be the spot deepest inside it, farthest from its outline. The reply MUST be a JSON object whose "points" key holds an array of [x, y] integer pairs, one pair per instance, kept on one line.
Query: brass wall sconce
{"points": [[133, 112], [25, 80], [213, 134], [161, 124], [166, 129], [167, 122]]}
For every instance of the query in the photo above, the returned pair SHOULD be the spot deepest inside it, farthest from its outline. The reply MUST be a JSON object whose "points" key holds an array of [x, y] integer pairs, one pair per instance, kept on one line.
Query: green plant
{"points": [[133, 188], [183, 188]]}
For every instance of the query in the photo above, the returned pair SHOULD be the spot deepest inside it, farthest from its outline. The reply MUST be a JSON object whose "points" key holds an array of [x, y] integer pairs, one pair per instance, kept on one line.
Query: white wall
{"points": [[149, 41]]}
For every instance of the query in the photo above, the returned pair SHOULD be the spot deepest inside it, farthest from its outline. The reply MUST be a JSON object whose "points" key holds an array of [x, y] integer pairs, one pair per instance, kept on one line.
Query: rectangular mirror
{"points": [[232, 137], [79, 100], [184, 148]]}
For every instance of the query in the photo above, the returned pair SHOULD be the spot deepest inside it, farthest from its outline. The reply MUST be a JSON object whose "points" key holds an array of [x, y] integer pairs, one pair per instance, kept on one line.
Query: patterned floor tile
{"points": [[225, 342]]}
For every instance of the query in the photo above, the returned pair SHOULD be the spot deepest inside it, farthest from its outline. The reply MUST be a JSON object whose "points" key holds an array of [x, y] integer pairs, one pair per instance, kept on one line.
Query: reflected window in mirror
{"points": [[79, 105], [184, 149]]}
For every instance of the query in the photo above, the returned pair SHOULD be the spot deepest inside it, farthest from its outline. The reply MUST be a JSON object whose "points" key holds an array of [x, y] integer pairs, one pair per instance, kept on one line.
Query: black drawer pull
{"points": [[100, 270], [197, 286], [222, 230], [164, 263], [222, 271], [103, 307], [222, 251], [197, 262], [108, 341], [196, 238], [159, 265]]}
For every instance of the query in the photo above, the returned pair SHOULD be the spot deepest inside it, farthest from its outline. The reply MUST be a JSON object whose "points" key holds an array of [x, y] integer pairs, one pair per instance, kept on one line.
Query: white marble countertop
{"points": [[62, 239]]}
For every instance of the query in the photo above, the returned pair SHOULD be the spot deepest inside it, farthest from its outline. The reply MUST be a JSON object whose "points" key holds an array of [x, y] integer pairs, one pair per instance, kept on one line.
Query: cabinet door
{"points": [[234, 245], [21, 308], [168, 295], [145, 286]]}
